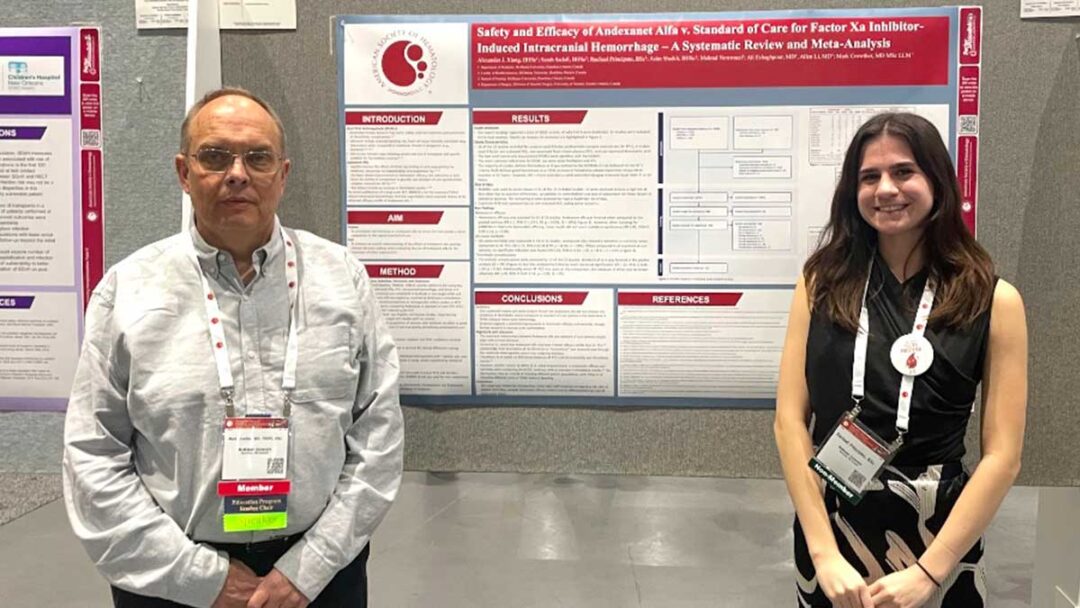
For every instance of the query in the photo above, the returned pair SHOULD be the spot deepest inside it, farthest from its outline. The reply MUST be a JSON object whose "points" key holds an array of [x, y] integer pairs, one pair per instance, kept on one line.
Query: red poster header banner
{"points": [[395, 217], [404, 271], [858, 51], [396, 119], [683, 298], [533, 298], [529, 117]]}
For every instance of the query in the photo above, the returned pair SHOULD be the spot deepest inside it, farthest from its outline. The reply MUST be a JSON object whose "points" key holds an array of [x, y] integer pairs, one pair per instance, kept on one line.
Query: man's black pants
{"points": [[348, 589]]}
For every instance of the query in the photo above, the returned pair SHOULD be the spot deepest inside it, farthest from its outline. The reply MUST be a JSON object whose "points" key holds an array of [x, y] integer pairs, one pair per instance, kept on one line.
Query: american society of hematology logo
{"points": [[404, 63]]}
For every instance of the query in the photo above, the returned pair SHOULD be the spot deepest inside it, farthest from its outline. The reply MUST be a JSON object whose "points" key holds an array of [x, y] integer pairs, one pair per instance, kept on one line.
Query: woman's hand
{"points": [[908, 588], [842, 583]]}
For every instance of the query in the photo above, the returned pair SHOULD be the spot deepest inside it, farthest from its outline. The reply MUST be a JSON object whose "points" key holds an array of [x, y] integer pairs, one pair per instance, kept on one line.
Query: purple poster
{"points": [[51, 245]]}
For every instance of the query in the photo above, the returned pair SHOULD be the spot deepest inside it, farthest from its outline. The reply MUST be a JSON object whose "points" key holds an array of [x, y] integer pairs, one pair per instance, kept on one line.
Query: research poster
{"points": [[51, 237], [612, 210]]}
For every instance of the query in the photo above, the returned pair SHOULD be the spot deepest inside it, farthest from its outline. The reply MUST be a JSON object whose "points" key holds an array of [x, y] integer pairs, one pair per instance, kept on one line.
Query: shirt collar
{"points": [[211, 257]]}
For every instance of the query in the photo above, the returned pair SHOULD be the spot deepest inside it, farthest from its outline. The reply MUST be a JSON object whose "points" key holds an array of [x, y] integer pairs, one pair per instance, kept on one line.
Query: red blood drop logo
{"points": [[912, 361], [402, 63]]}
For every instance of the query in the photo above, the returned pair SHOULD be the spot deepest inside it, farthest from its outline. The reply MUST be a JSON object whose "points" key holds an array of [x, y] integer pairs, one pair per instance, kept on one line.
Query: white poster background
{"points": [[544, 349], [432, 328], [38, 352], [447, 239], [37, 237]]}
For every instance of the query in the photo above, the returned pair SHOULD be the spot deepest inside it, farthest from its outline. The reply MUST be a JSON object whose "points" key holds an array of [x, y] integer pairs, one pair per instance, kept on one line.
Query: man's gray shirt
{"points": [[144, 426]]}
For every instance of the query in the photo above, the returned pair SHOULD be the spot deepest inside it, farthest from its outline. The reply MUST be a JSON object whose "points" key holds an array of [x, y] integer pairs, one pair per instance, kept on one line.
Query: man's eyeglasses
{"points": [[216, 160]]}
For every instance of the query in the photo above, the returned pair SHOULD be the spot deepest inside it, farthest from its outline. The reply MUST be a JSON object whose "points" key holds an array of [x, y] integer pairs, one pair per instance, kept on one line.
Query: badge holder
{"points": [[853, 456], [254, 486]]}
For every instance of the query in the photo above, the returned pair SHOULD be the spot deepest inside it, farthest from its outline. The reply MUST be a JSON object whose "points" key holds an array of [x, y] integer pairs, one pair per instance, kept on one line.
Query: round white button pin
{"points": [[911, 355]]}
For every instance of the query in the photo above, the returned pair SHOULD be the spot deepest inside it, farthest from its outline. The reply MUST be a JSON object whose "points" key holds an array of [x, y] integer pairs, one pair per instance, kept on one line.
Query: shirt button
{"points": [[251, 354], [213, 272], [221, 256]]}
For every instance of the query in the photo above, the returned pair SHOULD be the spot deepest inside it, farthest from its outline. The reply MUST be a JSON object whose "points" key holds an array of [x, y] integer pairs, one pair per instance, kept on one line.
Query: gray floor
{"points": [[509, 540]]}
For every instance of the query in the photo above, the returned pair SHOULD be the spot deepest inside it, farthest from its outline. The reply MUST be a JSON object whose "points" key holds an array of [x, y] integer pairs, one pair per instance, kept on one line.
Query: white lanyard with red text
{"points": [[220, 347], [852, 455], [911, 355]]}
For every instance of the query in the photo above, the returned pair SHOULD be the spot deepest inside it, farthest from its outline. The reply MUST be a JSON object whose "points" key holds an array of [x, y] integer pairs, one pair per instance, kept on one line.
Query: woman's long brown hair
{"points": [[836, 273]]}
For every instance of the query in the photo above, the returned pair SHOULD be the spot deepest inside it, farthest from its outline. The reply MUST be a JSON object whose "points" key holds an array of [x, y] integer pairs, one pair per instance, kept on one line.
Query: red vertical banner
{"points": [[90, 106], [968, 84], [967, 172], [967, 103], [970, 35], [92, 208], [89, 55], [93, 233]]}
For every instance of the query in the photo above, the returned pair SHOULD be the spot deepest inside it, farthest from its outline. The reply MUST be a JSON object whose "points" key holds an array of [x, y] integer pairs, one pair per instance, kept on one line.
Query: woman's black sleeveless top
{"points": [[942, 396]]}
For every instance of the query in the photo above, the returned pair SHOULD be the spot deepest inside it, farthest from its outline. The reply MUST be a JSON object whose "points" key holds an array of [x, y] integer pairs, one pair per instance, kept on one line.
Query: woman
{"points": [[897, 258]]}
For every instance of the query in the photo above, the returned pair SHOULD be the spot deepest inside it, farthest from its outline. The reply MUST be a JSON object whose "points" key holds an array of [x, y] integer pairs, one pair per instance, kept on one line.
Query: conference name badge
{"points": [[254, 485], [851, 458]]}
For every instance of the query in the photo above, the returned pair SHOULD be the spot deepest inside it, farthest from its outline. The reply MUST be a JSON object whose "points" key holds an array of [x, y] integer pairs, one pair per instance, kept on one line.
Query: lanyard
{"points": [[858, 365], [220, 347]]}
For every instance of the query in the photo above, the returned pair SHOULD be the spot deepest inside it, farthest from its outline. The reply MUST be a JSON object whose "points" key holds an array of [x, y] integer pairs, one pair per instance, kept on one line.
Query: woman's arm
{"points": [[1004, 409], [1003, 415], [840, 582]]}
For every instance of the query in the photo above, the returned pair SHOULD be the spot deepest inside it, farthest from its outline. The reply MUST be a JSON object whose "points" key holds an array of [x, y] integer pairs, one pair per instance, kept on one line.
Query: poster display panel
{"points": [[51, 237], [614, 209]]}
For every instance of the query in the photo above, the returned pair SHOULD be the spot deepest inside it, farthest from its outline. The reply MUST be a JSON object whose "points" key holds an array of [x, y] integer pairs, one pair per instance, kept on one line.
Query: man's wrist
{"points": [[204, 580], [306, 568]]}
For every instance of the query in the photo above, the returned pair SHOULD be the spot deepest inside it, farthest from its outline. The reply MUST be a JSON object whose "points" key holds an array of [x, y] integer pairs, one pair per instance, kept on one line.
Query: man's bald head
{"points": [[185, 127]]}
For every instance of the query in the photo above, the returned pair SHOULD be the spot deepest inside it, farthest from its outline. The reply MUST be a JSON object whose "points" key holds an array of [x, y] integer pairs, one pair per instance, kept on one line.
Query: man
{"points": [[234, 435]]}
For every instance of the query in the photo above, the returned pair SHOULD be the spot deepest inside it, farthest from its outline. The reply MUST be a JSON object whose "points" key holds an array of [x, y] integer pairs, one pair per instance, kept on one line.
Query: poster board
{"points": [[612, 210]]}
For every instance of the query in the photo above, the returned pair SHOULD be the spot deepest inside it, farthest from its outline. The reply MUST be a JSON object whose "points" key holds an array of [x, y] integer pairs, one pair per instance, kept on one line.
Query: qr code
{"points": [[857, 479], [91, 138], [275, 466], [969, 125]]}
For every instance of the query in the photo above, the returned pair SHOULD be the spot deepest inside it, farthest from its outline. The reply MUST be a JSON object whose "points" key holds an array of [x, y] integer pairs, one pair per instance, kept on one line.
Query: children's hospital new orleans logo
{"points": [[11, 75], [404, 63]]}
